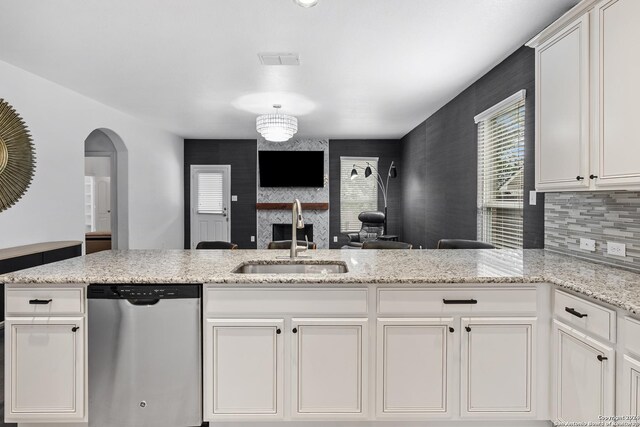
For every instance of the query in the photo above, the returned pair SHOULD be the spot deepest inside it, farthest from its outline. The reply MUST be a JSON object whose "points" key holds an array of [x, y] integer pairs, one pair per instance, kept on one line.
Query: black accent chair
{"points": [[216, 245], [372, 228], [382, 244], [463, 244], [286, 244]]}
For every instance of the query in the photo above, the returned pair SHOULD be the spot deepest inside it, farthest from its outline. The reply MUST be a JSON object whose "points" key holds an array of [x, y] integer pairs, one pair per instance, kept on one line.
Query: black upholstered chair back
{"points": [[216, 245], [382, 244], [286, 244], [372, 228], [463, 244]]}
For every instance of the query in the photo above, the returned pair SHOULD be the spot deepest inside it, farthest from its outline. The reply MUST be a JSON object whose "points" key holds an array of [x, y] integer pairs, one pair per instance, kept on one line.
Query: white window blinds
{"points": [[356, 195], [210, 192], [501, 173]]}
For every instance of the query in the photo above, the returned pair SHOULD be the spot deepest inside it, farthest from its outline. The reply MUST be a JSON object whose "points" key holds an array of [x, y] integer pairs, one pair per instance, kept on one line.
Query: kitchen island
{"points": [[448, 336]]}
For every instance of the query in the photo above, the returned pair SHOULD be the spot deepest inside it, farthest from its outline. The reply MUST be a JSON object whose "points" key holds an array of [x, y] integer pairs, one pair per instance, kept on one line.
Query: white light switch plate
{"points": [[234, 198], [588, 244], [618, 249], [253, 238], [532, 198], [335, 239]]}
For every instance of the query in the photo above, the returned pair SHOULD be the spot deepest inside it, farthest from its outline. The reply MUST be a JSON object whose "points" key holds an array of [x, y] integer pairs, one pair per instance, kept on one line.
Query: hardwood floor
{"points": [[2, 423]]}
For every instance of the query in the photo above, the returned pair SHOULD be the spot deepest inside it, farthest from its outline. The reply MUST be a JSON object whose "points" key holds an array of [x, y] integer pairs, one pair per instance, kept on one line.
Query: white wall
{"points": [[59, 121]]}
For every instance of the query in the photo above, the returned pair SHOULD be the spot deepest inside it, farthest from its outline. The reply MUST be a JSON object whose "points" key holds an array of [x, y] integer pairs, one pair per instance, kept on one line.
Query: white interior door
{"points": [[210, 203], [103, 203]]}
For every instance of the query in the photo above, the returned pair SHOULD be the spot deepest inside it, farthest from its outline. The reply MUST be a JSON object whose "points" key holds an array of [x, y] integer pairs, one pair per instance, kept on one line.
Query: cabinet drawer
{"points": [[592, 317], [45, 301], [462, 300], [632, 335], [230, 301]]}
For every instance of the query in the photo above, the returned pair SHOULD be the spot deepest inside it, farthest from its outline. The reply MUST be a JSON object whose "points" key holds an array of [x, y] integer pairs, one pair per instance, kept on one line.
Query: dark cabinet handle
{"points": [[592, 176], [294, 330], [460, 301], [601, 358], [579, 178], [575, 313], [39, 301], [75, 328], [451, 329], [278, 331], [467, 328]]}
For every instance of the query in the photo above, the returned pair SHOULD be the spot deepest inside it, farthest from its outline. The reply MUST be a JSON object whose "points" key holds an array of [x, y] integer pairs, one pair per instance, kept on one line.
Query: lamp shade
{"points": [[393, 172], [354, 172], [367, 171]]}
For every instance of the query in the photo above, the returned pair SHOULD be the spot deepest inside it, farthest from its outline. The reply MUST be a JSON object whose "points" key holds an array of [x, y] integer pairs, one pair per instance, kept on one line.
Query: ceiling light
{"points": [[306, 3], [277, 127]]}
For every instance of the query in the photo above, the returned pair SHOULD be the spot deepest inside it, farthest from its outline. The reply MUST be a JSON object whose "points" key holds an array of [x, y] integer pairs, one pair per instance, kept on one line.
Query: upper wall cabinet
{"points": [[587, 65]]}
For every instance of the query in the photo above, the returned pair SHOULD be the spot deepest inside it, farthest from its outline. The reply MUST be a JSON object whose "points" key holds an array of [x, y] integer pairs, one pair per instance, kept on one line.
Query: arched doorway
{"points": [[106, 191]]}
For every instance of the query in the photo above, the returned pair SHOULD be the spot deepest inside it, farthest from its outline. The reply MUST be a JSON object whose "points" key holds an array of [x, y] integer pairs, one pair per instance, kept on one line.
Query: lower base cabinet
{"points": [[46, 376], [243, 369], [630, 404], [413, 362], [498, 367], [329, 368], [584, 376]]}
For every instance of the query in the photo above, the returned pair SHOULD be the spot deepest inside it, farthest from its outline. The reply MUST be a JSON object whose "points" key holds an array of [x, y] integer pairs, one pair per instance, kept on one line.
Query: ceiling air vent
{"points": [[279, 58]]}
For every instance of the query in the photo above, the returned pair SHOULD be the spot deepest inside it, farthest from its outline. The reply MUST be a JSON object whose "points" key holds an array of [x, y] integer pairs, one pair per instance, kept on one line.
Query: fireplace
{"points": [[283, 232]]}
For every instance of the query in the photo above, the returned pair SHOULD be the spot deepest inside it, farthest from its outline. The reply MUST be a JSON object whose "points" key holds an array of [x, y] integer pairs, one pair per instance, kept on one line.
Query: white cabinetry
{"points": [[413, 363], [587, 65], [243, 368], [584, 376], [329, 369], [562, 109], [45, 358], [497, 366], [617, 93], [630, 398]]}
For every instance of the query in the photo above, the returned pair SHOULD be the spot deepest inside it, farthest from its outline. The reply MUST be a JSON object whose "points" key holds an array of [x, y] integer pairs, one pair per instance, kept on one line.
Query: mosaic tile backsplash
{"points": [[603, 216]]}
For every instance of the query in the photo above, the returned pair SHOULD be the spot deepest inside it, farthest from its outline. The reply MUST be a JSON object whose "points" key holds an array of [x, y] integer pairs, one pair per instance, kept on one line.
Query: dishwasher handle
{"points": [[143, 301]]}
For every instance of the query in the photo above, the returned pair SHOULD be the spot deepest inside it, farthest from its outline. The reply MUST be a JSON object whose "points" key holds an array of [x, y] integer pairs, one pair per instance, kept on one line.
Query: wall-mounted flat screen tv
{"points": [[291, 168]]}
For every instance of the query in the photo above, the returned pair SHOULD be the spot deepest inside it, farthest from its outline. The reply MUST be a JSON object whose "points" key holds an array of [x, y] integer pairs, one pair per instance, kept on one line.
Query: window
{"points": [[356, 195], [501, 173], [210, 192]]}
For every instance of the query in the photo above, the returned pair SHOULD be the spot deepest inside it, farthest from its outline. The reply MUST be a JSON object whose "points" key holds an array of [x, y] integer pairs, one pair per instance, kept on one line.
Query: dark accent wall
{"points": [[439, 185], [242, 156], [387, 150]]}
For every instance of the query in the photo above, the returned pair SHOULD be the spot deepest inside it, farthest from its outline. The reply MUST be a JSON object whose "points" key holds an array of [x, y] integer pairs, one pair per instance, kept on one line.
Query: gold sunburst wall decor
{"points": [[17, 156]]}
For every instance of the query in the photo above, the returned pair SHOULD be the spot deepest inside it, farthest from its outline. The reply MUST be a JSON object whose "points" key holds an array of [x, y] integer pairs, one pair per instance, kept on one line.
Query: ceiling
{"points": [[368, 68]]}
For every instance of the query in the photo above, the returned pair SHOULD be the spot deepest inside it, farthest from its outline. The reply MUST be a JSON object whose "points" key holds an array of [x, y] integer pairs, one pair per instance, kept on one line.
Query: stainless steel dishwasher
{"points": [[145, 358]]}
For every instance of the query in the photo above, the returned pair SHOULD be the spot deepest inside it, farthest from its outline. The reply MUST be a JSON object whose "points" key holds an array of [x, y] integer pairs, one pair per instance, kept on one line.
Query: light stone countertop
{"points": [[427, 267]]}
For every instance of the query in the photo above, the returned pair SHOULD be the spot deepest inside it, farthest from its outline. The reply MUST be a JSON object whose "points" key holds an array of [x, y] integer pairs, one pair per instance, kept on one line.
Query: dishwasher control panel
{"points": [[143, 291]]}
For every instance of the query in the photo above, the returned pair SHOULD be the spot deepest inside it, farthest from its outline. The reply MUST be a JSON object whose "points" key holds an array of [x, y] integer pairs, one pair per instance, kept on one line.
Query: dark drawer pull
{"points": [[460, 301], [39, 301], [575, 313], [75, 328], [278, 331], [602, 358]]}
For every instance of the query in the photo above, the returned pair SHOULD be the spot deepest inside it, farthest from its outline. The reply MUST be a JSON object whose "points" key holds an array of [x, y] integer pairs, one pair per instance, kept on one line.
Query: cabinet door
{"points": [[584, 374], [329, 368], [618, 60], [498, 367], [630, 399], [413, 366], [243, 369], [45, 369], [562, 109]]}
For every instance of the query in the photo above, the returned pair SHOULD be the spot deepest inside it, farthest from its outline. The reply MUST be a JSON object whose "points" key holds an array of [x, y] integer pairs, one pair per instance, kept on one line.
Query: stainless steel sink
{"points": [[292, 268]]}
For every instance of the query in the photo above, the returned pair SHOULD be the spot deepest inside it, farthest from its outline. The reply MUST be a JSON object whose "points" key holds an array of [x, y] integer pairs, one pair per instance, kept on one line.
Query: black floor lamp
{"points": [[384, 186]]}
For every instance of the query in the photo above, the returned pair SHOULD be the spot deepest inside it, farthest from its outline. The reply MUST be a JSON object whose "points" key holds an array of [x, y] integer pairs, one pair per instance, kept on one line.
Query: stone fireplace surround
{"points": [[319, 218]]}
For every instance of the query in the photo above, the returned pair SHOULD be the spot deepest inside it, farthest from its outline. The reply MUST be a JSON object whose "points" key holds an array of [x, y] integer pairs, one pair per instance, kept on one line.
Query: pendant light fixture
{"points": [[277, 127]]}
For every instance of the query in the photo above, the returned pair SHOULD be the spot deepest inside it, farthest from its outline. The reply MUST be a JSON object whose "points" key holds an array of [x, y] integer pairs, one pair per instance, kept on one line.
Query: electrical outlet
{"points": [[588, 244], [532, 198], [617, 249], [335, 239], [253, 238]]}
